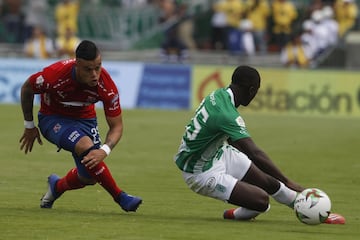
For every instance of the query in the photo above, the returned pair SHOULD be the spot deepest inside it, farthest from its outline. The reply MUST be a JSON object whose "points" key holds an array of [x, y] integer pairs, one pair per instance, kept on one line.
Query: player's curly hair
{"points": [[245, 76], [87, 50]]}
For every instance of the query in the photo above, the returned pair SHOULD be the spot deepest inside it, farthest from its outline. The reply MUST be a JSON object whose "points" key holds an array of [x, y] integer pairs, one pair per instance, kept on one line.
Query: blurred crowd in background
{"points": [[301, 31]]}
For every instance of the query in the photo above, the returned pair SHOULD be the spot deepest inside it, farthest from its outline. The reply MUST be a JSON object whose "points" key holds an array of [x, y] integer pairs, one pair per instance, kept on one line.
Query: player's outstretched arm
{"points": [[31, 133], [262, 161]]}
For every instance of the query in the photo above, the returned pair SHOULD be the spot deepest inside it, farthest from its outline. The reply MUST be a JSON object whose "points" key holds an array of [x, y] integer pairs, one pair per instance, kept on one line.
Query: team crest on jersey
{"points": [[240, 121], [57, 128], [39, 81]]}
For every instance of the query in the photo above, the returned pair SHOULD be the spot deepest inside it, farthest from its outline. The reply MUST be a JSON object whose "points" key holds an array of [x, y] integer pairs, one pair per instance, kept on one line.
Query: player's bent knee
{"points": [[263, 203]]}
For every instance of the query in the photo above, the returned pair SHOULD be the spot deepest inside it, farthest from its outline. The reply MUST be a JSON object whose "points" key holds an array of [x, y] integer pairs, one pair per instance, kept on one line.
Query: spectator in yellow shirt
{"points": [[66, 16], [284, 15], [258, 11], [233, 10], [39, 45], [346, 12], [67, 44]]}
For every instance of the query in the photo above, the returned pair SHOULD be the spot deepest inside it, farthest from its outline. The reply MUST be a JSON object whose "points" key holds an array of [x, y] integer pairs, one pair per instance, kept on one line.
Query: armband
{"points": [[106, 149], [29, 124]]}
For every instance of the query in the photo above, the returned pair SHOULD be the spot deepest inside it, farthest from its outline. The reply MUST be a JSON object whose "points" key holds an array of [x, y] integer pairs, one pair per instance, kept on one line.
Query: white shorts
{"points": [[219, 181]]}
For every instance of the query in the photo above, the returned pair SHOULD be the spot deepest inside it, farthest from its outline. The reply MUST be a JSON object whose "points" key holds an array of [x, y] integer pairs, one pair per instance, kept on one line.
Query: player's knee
{"points": [[263, 202]]}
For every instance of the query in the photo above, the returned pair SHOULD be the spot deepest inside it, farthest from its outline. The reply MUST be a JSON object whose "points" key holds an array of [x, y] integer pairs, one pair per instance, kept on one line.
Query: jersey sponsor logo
{"points": [[67, 61], [115, 103], [115, 99], [212, 98], [61, 82], [211, 184], [73, 136]]}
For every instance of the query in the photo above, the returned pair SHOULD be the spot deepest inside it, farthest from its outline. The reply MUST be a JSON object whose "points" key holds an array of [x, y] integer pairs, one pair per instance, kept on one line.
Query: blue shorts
{"points": [[66, 132]]}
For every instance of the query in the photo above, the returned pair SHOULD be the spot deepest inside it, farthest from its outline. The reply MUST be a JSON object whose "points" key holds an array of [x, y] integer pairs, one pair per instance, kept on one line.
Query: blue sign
{"points": [[165, 86]]}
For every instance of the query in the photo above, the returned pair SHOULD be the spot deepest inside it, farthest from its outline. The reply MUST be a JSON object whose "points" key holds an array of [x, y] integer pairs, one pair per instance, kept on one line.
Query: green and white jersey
{"points": [[215, 121]]}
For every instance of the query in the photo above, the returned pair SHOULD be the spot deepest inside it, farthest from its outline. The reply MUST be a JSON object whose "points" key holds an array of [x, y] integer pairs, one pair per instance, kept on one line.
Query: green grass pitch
{"points": [[316, 152]]}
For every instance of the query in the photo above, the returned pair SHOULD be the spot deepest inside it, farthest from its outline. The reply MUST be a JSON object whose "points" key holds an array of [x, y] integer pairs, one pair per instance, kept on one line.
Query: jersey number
{"points": [[96, 136], [201, 116]]}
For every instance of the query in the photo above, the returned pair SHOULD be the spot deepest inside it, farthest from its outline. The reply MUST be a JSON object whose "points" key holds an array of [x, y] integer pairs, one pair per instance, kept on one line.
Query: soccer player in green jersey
{"points": [[219, 159]]}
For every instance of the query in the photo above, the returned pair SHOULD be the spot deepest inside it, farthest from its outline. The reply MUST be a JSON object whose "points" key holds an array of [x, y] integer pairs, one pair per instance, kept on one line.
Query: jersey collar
{"points": [[231, 95]]}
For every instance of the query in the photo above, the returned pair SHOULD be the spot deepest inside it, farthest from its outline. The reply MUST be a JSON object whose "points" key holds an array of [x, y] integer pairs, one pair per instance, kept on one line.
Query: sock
{"points": [[242, 213], [69, 182], [102, 175], [285, 195]]}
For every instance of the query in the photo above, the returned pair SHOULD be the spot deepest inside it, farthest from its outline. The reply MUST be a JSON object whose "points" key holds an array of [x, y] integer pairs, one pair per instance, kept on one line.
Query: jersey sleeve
{"points": [[111, 98], [37, 82], [233, 125], [42, 80]]}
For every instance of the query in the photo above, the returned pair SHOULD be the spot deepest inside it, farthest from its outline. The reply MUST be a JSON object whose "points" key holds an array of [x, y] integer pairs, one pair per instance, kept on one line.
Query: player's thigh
{"points": [[213, 183], [237, 163], [69, 134]]}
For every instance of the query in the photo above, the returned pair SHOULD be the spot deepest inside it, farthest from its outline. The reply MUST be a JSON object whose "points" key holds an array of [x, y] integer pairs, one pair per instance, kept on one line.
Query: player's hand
{"points": [[28, 138], [93, 158]]}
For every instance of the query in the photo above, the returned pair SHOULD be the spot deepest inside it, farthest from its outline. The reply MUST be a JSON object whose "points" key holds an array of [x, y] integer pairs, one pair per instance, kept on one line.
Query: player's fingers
{"points": [[93, 164], [22, 145], [26, 148], [85, 160], [39, 140], [30, 147]]}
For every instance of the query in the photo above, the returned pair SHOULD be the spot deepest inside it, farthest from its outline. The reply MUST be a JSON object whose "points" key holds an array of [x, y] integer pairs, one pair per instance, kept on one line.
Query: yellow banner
{"points": [[304, 92]]}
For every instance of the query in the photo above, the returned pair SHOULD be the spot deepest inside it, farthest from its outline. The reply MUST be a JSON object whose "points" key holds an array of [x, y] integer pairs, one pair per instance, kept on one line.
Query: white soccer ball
{"points": [[312, 206]]}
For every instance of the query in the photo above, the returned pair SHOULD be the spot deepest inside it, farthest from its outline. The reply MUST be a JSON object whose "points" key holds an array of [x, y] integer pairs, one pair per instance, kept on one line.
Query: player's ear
{"points": [[253, 90]]}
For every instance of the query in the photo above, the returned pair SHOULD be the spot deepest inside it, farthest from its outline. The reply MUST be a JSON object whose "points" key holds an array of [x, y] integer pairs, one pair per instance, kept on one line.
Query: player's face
{"points": [[252, 91], [248, 93], [88, 72]]}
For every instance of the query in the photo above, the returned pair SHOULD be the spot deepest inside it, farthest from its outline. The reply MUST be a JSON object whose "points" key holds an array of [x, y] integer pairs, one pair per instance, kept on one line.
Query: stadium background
{"points": [[313, 114], [130, 43]]}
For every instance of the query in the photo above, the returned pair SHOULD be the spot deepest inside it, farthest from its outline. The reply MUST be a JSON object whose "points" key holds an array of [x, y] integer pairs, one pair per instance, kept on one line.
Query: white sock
{"points": [[246, 214], [285, 195]]}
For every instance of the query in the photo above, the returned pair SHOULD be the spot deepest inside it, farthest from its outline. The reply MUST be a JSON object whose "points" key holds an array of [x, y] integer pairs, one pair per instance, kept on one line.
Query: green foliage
{"points": [[317, 152]]}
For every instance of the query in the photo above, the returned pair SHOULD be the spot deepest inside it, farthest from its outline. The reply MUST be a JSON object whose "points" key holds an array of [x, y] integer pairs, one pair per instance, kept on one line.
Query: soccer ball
{"points": [[312, 206]]}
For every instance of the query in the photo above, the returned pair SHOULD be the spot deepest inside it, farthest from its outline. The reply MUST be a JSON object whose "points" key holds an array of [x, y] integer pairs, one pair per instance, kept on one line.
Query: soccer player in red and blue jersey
{"points": [[69, 90]]}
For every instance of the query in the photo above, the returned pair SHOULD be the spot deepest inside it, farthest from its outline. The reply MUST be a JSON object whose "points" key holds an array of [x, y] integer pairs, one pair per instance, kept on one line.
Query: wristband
{"points": [[106, 149], [29, 124]]}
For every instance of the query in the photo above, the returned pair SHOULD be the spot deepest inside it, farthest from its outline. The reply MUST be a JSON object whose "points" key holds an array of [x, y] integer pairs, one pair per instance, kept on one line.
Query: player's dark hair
{"points": [[245, 76], [87, 50]]}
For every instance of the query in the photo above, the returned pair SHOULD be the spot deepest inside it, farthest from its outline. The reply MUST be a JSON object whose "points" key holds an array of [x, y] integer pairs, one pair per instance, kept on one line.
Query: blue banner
{"points": [[165, 86]]}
